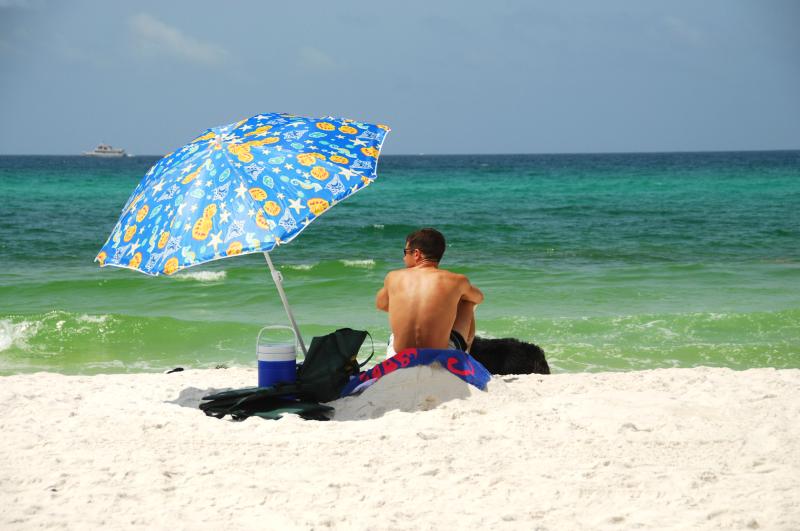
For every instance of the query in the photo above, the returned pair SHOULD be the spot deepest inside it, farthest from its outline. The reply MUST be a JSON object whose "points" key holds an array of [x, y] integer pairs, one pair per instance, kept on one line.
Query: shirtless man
{"points": [[428, 307]]}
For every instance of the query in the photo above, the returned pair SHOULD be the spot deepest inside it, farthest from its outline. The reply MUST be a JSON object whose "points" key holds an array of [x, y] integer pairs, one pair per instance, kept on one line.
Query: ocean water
{"points": [[608, 262]]}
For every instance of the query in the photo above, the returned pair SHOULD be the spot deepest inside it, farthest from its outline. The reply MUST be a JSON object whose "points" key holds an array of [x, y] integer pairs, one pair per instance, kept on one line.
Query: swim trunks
{"points": [[456, 342]]}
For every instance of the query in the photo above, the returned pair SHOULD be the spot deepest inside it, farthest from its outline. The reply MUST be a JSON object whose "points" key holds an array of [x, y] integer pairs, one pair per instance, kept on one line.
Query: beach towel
{"points": [[456, 361]]}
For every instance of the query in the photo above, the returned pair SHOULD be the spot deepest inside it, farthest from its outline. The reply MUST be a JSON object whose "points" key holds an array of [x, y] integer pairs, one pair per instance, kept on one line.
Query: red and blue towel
{"points": [[456, 361]]}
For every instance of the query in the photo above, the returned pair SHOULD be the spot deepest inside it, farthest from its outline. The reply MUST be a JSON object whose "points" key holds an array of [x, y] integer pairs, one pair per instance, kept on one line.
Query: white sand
{"points": [[665, 449]]}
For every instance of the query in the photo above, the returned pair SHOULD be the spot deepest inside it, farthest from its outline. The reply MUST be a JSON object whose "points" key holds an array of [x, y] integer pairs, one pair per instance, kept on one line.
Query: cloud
{"points": [[315, 59], [154, 38]]}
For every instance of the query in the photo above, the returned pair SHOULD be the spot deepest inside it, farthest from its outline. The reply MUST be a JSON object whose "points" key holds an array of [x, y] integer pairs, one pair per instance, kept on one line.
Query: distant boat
{"points": [[104, 150]]}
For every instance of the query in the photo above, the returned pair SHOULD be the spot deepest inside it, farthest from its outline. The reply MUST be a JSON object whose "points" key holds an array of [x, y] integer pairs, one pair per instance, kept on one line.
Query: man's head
{"points": [[424, 245]]}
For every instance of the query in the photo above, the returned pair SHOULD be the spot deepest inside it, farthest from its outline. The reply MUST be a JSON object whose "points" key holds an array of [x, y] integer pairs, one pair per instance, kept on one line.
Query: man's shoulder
{"points": [[395, 273], [458, 277], [441, 274]]}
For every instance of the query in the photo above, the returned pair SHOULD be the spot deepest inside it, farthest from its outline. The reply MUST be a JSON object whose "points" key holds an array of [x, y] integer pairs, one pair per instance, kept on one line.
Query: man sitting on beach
{"points": [[428, 307]]}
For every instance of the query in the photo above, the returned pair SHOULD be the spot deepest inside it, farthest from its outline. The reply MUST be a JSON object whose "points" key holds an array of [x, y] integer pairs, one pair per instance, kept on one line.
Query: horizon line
{"points": [[645, 152]]}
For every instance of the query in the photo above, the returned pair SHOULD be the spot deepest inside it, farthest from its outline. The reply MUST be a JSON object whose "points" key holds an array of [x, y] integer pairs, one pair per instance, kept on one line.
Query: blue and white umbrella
{"points": [[242, 188]]}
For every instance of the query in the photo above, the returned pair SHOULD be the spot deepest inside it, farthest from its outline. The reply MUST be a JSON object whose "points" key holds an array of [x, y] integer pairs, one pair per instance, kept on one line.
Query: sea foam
{"points": [[202, 276], [298, 267], [99, 319], [16, 333], [368, 263]]}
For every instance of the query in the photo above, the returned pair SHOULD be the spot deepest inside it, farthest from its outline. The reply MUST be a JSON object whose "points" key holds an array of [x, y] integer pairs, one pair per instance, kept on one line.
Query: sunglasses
{"points": [[407, 251]]}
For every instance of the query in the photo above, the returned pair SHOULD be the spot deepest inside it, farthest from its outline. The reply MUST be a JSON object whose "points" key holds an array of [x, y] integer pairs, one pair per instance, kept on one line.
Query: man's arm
{"points": [[471, 293], [382, 298]]}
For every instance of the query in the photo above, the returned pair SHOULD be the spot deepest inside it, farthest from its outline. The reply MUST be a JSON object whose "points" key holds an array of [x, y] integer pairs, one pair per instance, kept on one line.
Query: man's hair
{"points": [[429, 241]]}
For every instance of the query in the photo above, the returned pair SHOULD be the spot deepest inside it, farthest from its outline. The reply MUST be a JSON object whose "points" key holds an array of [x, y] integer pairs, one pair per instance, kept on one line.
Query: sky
{"points": [[449, 76]]}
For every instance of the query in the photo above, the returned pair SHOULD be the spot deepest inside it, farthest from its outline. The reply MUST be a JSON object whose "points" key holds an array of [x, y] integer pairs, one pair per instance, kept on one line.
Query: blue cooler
{"points": [[277, 360]]}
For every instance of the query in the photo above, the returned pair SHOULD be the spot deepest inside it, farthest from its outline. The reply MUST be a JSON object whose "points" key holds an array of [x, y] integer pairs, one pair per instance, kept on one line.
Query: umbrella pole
{"points": [[278, 278]]}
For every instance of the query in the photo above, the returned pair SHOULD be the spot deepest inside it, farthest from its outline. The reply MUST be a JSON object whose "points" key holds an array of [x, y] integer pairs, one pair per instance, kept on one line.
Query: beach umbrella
{"points": [[242, 188]]}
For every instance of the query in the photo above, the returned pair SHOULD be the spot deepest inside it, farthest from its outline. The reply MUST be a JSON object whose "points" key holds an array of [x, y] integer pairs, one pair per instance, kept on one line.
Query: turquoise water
{"points": [[609, 262]]}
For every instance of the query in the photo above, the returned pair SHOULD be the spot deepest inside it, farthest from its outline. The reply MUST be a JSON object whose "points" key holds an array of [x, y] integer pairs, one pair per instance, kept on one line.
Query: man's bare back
{"points": [[426, 303]]}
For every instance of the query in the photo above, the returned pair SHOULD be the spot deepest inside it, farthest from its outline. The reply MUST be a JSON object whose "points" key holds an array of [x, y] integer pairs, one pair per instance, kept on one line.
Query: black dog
{"points": [[509, 356]]}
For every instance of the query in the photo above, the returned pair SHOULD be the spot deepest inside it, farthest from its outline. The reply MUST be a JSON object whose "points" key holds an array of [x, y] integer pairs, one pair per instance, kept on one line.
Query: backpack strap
{"points": [[345, 352], [343, 348], [373, 351]]}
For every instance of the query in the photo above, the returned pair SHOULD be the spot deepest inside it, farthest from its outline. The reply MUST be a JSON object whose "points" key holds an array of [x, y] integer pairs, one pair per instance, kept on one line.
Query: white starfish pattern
{"points": [[216, 239], [241, 191], [296, 205], [347, 173]]}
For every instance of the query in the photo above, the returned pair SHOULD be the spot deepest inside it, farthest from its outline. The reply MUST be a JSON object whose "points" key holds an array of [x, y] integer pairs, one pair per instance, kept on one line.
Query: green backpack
{"points": [[328, 366]]}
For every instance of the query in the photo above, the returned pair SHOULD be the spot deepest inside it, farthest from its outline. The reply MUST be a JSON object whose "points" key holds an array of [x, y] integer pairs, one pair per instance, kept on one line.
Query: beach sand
{"points": [[662, 449]]}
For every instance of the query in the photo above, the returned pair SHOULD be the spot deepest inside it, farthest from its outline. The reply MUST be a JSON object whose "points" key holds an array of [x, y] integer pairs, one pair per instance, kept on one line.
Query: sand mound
{"points": [[412, 389]]}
